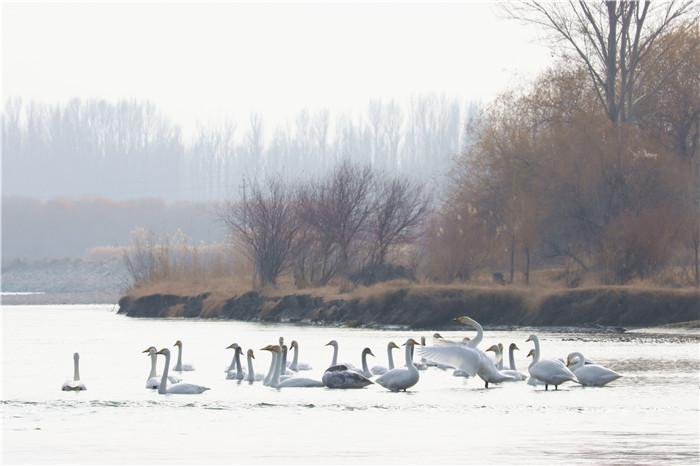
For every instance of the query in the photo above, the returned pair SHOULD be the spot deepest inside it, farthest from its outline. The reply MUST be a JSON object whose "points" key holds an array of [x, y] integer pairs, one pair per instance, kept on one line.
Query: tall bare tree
{"points": [[611, 39], [265, 224], [399, 209]]}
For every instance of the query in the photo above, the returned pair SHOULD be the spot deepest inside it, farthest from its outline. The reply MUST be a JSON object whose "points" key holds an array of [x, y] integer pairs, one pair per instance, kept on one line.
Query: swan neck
{"points": [[162, 387], [239, 368], [153, 356], [479, 335], [499, 359], [271, 371], [276, 375], [295, 358], [76, 369], [178, 366], [365, 369], [232, 366], [390, 357], [251, 374], [511, 358], [335, 356], [283, 362], [409, 355]]}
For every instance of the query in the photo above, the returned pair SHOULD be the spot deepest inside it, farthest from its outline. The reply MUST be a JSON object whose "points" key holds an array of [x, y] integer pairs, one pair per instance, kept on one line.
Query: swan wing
{"points": [[457, 356], [186, 389], [340, 377], [378, 370], [595, 375], [300, 382]]}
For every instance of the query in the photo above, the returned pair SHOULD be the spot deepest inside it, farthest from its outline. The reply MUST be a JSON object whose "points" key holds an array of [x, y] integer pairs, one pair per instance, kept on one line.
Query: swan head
{"points": [[271, 348], [513, 346], [164, 351], [149, 350], [466, 340], [573, 358], [411, 342], [250, 354], [531, 353], [464, 320], [532, 337], [178, 343], [392, 345], [232, 346], [76, 356], [281, 341], [437, 335], [368, 351], [493, 348], [500, 347], [332, 343], [294, 344]]}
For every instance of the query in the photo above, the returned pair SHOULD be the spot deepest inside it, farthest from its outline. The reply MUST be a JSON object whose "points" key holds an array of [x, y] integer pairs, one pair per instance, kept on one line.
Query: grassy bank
{"points": [[420, 306]]}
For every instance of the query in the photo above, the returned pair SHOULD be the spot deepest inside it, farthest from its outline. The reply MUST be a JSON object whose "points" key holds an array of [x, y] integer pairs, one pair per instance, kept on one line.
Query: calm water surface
{"points": [[650, 416]]}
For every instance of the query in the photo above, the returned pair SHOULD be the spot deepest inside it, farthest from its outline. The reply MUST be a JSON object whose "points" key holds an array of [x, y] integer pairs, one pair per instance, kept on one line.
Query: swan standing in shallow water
{"points": [[401, 378], [379, 370], [153, 380], [590, 375], [179, 366], [548, 371], [181, 388], [297, 366], [75, 384]]}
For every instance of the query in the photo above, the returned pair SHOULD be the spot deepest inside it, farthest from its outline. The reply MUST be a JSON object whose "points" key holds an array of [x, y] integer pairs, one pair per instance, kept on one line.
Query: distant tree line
{"points": [[129, 149]]}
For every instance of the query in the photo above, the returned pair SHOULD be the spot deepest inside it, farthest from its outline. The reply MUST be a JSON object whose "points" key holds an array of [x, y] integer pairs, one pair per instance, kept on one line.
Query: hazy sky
{"points": [[203, 62]]}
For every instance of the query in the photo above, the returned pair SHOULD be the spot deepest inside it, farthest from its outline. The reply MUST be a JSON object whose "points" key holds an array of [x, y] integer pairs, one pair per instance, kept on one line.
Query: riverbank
{"points": [[429, 306]]}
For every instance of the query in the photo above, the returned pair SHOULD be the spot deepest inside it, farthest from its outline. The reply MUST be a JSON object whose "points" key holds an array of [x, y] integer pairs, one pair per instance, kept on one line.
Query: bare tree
{"points": [[398, 211], [610, 39], [265, 224]]}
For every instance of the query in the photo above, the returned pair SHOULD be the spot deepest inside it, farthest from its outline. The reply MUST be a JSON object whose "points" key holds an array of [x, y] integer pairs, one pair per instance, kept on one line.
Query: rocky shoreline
{"points": [[435, 308]]}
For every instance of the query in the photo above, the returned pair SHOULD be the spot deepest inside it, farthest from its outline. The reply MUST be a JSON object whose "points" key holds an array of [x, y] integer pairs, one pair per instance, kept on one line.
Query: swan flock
{"points": [[463, 357]]}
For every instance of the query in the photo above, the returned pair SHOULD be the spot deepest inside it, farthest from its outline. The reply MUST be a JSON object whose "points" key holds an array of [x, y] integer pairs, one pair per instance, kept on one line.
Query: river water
{"points": [[650, 416]]}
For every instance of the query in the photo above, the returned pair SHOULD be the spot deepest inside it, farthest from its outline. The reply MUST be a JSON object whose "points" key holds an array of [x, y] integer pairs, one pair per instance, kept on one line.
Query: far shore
{"points": [[415, 306]]}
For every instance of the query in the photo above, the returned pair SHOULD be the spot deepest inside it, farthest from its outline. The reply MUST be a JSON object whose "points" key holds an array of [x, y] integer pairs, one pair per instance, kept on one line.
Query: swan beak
{"points": [[178, 343], [371, 353], [161, 351], [528, 339], [459, 319], [232, 345], [532, 352], [147, 350], [515, 347], [330, 343], [491, 348]]}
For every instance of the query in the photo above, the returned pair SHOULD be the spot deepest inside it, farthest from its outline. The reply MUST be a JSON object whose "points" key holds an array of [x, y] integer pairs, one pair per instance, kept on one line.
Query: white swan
{"points": [[153, 380], [512, 370], [379, 370], [179, 366], [460, 357], [252, 376], [297, 366], [401, 378], [590, 375], [75, 384], [514, 375], [238, 373], [181, 388], [273, 364], [548, 371]]}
